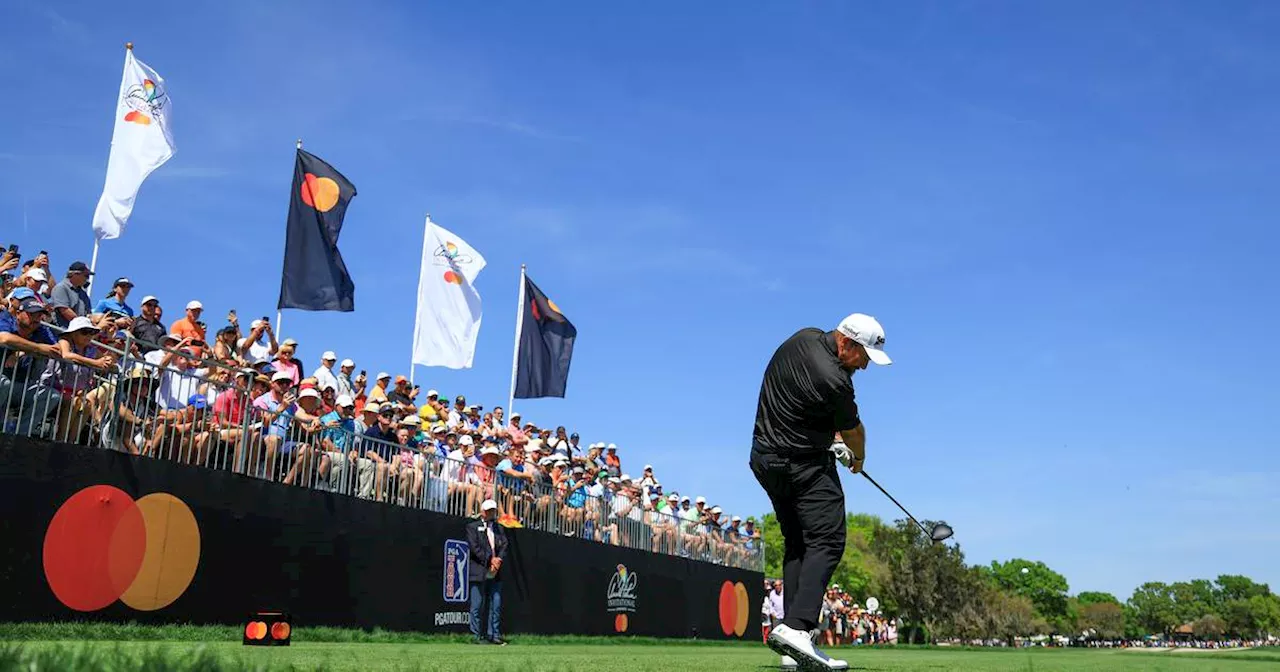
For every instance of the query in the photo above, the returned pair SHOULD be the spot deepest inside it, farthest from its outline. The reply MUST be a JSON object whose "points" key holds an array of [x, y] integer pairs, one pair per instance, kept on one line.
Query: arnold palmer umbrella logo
{"points": [[621, 597]]}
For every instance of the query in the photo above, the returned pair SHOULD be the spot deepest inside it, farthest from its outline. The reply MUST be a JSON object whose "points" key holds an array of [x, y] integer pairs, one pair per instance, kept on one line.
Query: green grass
{"points": [[73, 647]]}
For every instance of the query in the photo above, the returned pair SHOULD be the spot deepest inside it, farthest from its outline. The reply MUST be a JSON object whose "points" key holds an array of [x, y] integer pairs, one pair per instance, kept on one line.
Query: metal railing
{"points": [[170, 405]]}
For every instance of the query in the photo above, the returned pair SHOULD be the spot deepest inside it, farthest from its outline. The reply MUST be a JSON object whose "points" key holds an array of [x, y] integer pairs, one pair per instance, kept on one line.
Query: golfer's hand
{"points": [[846, 457]]}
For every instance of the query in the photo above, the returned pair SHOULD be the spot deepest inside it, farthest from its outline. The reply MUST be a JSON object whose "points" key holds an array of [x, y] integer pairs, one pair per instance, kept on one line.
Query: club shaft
{"points": [[900, 506]]}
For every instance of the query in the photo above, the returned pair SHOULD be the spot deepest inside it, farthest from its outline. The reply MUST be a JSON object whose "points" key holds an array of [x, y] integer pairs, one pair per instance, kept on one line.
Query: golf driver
{"points": [[939, 532]]}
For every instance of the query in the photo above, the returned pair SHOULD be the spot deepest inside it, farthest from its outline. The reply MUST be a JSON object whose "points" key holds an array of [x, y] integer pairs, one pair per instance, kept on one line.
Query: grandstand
{"points": [[109, 377]]}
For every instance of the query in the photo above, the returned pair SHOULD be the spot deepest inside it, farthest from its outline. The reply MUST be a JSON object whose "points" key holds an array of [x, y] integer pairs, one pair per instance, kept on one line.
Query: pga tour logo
{"points": [[622, 591], [456, 577]]}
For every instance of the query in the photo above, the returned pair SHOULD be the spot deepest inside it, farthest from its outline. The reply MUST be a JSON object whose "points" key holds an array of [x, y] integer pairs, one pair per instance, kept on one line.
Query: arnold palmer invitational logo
{"points": [[621, 597]]}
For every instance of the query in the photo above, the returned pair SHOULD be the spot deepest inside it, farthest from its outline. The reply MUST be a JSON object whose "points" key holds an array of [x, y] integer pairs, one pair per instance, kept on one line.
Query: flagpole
{"points": [[280, 311], [515, 355], [417, 311], [93, 262], [93, 265]]}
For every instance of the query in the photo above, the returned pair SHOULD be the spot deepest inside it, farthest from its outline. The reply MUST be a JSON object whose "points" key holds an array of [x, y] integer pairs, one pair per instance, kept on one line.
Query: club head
{"points": [[941, 532]]}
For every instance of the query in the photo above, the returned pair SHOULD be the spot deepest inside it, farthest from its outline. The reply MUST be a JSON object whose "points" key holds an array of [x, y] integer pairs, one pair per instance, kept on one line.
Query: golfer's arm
{"points": [[856, 441]]}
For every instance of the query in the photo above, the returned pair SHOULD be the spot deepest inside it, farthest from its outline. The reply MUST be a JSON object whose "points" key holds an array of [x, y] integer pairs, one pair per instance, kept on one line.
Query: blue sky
{"points": [[1063, 216]]}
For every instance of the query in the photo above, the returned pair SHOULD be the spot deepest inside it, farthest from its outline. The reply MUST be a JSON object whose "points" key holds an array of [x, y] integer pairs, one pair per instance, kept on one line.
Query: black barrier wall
{"points": [[88, 534]]}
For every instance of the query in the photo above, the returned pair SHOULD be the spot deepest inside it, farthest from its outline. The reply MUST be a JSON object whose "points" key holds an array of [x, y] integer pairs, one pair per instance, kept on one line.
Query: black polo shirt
{"points": [[806, 397], [149, 332]]}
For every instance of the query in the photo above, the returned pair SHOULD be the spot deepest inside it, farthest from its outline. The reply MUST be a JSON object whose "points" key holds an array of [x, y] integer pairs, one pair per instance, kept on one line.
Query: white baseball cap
{"points": [[700, 500], [432, 393], [488, 504], [148, 299], [868, 333], [328, 356], [715, 509], [648, 467], [347, 362], [345, 400], [490, 450], [612, 446], [411, 420], [673, 497], [466, 440], [281, 375], [37, 273], [289, 341], [309, 392], [439, 429], [382, 374], [81, 324], [195, 305], [626, 478]]}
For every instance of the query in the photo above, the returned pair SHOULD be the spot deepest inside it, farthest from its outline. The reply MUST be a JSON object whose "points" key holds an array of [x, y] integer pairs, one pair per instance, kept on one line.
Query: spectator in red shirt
{"points": [[612, 462]]}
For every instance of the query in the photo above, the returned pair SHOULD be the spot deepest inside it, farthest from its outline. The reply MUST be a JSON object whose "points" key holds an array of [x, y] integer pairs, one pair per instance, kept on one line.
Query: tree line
{"points": [[938, 595]]}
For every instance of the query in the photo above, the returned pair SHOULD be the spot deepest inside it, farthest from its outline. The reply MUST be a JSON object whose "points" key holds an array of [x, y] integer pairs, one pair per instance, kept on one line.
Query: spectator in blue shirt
{"points": [[25, 345], [338, 439], [114, 303]]}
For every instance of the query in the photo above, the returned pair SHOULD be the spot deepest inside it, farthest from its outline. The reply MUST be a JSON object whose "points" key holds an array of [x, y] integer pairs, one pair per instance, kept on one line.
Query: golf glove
{"points": [[842, 452]]}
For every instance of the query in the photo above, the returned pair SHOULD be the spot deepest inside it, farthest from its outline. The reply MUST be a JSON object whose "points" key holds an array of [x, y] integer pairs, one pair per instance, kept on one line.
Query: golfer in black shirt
{"points": [[805, 400]]}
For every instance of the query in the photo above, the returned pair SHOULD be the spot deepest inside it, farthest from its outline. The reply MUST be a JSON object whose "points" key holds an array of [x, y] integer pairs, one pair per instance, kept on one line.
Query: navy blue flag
{"points": [[546, 346], [315, 277]]}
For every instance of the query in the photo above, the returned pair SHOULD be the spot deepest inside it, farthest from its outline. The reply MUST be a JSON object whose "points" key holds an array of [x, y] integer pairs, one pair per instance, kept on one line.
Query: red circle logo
{"points": [[734, 605]]}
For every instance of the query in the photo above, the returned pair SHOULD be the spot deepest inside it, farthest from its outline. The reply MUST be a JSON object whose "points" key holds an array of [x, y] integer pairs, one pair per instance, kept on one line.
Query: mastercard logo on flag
{"points": [[102, 546]]}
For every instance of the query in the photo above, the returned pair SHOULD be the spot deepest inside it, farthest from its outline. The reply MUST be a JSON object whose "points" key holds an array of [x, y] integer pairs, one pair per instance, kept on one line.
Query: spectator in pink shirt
{"points": [[285, 361]]}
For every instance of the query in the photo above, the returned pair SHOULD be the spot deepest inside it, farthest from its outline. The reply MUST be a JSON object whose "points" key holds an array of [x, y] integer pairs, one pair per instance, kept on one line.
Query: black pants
{"points": [[809, 502]]}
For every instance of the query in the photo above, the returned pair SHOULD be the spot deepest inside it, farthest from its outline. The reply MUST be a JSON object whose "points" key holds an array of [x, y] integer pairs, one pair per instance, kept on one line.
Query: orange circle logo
{"points": [[734, 605], [102, 546], [320, 193], [620, 623], [255, 630]]}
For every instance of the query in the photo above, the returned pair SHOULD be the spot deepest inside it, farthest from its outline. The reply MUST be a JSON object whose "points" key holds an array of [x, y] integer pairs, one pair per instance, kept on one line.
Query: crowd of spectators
{"points": [[841, 621], [107, 374]]}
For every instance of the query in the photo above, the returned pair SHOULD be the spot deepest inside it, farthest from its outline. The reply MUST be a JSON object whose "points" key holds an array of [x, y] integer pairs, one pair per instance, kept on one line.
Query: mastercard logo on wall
{"points": [[734, 604], [103, 546]]}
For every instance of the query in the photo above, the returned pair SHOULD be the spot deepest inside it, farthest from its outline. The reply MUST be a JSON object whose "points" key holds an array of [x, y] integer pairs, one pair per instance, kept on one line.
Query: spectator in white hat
{"points": [[346, 385], [306, 425], [324, 373], [190, 327], [338, 441], [260, 345], [276, 408], [36, 280], [488, 543], [378, 394], [648, 478], [71, 376], [612, 462], [147, 328]]}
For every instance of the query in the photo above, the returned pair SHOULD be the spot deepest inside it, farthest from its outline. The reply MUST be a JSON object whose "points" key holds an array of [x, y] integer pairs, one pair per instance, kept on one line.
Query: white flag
{"points": [[448, 319], [140, 143]]}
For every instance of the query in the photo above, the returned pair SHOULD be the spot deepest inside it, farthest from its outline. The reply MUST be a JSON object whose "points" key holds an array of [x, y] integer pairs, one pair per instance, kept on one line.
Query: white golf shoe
{"points": [[788, 663], [795, 646]]}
